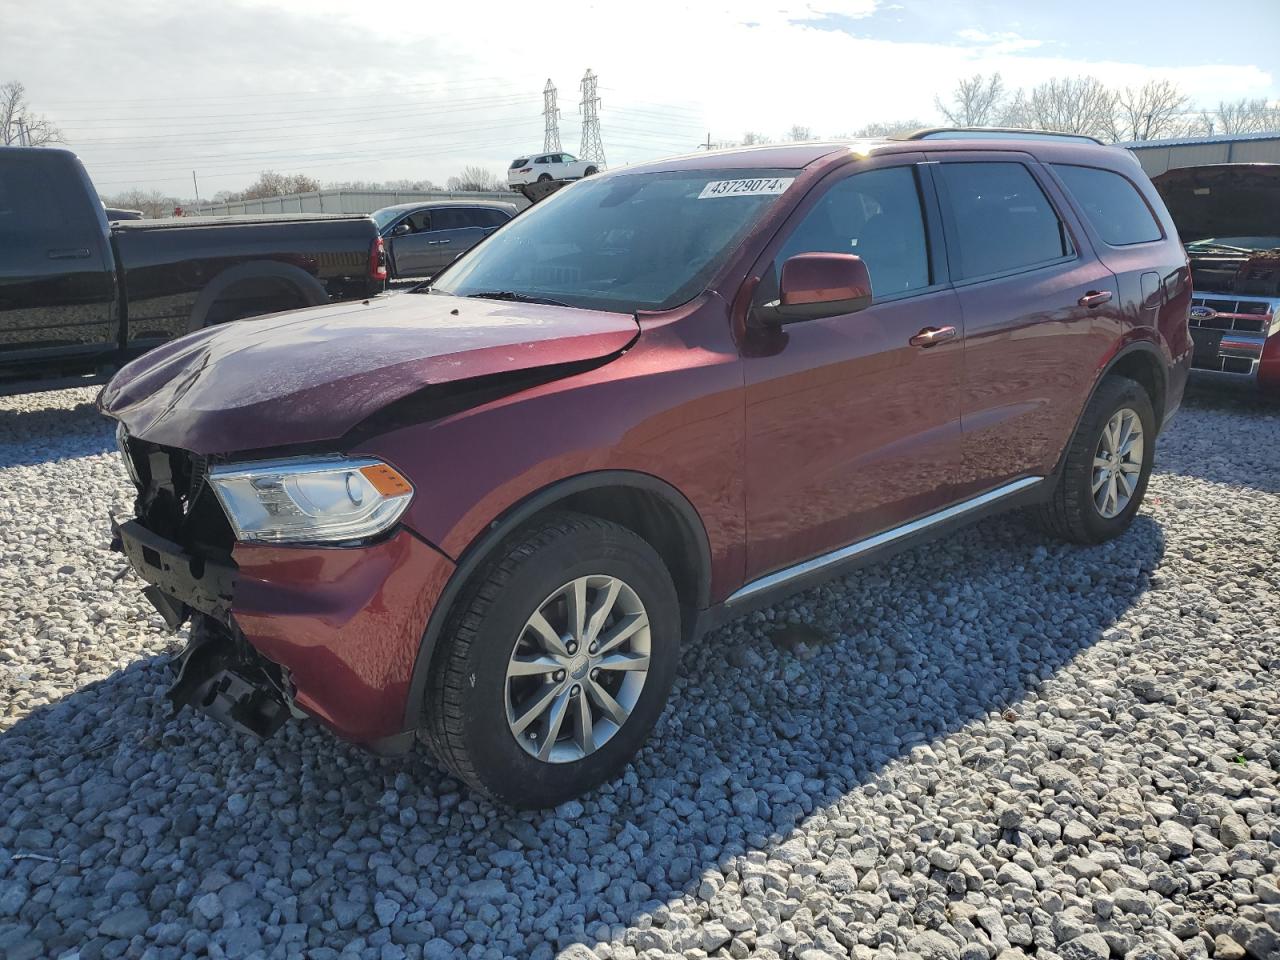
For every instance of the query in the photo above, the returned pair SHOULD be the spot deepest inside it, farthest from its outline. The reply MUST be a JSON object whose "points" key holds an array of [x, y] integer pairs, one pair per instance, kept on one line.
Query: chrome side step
{"points": [[879, 540]]}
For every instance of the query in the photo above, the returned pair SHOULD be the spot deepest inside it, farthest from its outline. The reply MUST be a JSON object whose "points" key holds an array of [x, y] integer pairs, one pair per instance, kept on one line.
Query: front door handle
{"points": [[70, 253], [432, 243], [1095, 298], [932, 336]]}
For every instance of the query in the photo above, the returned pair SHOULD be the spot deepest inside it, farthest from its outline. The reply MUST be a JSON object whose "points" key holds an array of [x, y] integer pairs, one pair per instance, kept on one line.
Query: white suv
{"points": [[548, 166]]}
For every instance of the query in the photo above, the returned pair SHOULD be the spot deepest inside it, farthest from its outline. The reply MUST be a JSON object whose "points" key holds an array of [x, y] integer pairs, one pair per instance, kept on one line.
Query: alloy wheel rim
{"points": [[1117, 463], [577, 669]]}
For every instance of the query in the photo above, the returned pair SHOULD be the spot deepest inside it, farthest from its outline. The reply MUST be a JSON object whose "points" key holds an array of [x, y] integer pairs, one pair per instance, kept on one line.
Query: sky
{"points": [[146, 92]]}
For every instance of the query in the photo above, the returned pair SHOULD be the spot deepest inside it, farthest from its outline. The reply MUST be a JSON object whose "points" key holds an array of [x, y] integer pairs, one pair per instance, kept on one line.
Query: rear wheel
{"points": [[1108, 463], [558, 664], [543, 177]]}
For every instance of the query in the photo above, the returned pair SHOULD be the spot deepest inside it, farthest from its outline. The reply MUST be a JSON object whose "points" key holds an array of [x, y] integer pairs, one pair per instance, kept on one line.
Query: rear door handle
{"points": [[70, 253], [932, 336], [1095, 298]]}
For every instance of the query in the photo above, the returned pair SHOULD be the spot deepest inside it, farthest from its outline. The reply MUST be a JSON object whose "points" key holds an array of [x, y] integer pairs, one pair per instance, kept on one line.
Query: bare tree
{"points": [[975, 102], [18, 125], [272, 184], [889, 128], [475, 178], [1152, 111], [799, 132], [420, 186], [1069, 104], [1240, 116], [152, 203], [751, 139]]}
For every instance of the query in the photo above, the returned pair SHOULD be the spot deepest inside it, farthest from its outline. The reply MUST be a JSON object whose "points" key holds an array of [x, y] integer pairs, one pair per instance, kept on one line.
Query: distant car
{"points": [[548, 166], [1228, 216], [116, 213], [423, 238]]}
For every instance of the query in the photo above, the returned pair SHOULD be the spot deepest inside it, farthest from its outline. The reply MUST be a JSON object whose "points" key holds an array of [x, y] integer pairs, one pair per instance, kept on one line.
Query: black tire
{"points": [[466, 720], [1071, 513], [544, 177], [590, 172]]}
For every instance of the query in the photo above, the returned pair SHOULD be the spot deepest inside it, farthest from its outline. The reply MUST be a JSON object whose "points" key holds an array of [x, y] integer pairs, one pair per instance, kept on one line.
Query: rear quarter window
{"points": [[1111, 203], [998, 219]]}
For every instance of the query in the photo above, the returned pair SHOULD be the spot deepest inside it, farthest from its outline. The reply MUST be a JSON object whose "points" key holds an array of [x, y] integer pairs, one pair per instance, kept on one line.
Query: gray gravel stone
{"points": [[1000, 748]]}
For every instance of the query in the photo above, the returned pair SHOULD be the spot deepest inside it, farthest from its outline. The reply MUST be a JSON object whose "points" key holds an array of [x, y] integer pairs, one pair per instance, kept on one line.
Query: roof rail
{"points": [[995, 133]]}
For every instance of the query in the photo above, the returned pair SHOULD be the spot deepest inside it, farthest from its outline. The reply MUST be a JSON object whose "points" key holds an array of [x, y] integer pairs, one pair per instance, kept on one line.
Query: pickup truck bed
{"points": [[80, 296]]}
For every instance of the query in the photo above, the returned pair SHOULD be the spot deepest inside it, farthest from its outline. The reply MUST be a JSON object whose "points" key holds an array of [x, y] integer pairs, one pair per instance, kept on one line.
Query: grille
{"points": [[1252, 316], [198, 472]]}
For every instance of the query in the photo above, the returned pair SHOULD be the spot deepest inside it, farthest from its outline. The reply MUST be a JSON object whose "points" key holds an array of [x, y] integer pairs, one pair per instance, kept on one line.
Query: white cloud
{"points": [[1002, 42]]}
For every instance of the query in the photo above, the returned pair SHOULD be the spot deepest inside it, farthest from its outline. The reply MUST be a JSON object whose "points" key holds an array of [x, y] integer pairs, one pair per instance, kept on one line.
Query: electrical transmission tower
{"points": [[592, 147], [551, 139]]}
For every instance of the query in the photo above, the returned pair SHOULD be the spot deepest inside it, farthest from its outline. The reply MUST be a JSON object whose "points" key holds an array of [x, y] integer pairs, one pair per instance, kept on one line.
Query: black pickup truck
{"points": [[80, 295]]}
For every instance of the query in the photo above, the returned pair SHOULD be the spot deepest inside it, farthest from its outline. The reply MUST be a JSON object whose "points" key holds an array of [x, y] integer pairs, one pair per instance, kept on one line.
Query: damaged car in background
{"points": [[485, 514], [1228, 216]]}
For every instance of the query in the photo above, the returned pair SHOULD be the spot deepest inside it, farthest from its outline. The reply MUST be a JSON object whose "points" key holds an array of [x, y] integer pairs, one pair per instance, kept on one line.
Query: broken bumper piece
{"points": [[216, 676], [218, 673]]}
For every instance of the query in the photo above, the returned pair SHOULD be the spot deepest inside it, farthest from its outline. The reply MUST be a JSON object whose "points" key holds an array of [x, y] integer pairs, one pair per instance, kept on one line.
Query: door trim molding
{"points": [[786, 574]]}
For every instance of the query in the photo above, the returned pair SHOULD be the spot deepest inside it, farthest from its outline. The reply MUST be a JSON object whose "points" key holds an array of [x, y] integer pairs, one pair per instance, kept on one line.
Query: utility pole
{"points": [[707, 145], [551, 113], [196, 185], [592, 146], [24, 138]]}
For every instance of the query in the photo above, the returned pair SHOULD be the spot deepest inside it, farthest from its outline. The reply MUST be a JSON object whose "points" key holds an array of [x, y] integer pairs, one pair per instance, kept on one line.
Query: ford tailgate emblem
{"points": [[1203, 313]]}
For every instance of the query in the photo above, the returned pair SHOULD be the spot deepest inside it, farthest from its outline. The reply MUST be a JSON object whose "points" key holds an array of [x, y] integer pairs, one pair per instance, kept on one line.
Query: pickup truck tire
{"points": [[1119, 410], [254, 289], [511, 683]]}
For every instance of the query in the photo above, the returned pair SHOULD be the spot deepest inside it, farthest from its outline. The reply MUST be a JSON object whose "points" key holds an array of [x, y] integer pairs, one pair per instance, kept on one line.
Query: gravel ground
{"points": [[988, 747]]}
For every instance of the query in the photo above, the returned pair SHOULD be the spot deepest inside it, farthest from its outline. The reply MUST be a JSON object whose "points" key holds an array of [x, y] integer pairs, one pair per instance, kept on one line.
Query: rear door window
{"points": [[448, 218], [1111, 203], [998, 220], [491, 218]]}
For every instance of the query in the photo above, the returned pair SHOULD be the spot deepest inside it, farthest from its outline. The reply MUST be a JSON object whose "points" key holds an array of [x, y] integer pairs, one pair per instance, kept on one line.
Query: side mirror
{"points": [[816, 285], [401, 229]]}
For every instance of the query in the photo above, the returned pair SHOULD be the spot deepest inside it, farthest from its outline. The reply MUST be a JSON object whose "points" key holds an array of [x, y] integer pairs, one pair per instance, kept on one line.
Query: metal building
{"points": [[1157, 156]]}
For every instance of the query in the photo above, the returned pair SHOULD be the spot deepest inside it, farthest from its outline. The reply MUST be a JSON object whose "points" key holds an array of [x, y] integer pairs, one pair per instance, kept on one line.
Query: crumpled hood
{"points": [[1223, 200], [314, 374]]}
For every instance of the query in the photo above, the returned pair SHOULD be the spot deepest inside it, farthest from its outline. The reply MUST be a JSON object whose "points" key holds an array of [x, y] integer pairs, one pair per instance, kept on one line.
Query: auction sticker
{"points": [[761, 186]]}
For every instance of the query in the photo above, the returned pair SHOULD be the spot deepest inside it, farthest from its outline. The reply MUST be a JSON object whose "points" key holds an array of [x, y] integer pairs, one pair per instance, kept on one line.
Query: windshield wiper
{"points": [[1205, 246], [515, 297]]}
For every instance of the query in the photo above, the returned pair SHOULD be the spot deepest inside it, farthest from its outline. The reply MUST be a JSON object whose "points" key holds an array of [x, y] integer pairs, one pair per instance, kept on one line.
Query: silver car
{"points": [[423, 238]]}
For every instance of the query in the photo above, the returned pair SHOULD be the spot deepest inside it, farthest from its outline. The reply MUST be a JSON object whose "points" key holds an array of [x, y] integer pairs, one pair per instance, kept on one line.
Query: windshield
{"points": [[386, 216], [1235, 244], [642, 241]]}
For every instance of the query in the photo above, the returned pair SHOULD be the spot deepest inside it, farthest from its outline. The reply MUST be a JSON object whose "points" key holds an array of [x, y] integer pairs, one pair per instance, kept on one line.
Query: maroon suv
{"points": [[487, 513]]}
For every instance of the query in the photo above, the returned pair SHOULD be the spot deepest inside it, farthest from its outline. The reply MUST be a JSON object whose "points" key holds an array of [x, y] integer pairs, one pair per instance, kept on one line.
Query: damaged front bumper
{"points": [[217, 673], [328, 632]]}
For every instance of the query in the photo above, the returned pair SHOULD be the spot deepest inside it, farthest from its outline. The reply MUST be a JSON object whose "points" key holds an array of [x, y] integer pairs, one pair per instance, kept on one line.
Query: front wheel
{"points": [[557, 665], [589, 172], [1105, 472]]}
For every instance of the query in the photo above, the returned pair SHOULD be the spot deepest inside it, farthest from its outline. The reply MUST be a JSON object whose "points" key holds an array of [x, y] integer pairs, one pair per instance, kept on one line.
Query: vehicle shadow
{"points": [[135, 812], [32, 432], [1208, 451]]}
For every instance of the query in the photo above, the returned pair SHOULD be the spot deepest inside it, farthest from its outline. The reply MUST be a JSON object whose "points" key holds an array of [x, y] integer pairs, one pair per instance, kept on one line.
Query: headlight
{"points": [[122, 441], [312, 500]]}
